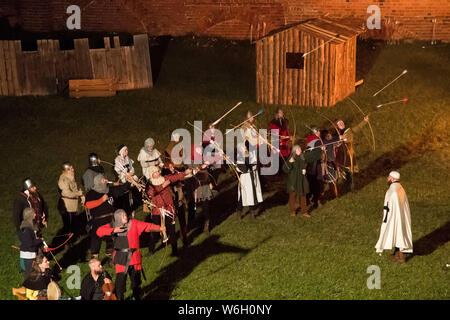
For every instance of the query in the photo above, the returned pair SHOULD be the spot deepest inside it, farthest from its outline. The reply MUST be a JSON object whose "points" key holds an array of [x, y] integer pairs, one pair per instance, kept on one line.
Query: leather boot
{"points": [[401, 257]]}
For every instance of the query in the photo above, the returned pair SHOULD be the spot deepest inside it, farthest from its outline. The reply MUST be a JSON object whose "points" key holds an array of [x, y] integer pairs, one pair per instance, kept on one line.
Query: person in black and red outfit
{"points": [[127, 257], [99, 202]]}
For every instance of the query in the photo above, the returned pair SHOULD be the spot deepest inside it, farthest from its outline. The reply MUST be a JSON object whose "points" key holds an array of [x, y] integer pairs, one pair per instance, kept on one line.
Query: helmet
{"points": [[93, 159], [27, 184]]}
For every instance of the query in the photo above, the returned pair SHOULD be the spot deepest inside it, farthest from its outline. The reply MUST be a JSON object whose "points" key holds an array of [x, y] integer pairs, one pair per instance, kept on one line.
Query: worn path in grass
{"points": [[273, 256]]}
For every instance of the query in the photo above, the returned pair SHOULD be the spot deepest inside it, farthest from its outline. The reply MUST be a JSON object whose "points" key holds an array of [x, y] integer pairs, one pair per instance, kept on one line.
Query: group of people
{"points": [[168, 191]]}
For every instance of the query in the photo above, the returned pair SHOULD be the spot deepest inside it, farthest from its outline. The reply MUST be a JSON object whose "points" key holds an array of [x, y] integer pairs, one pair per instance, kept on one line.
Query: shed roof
{"points": [[326, 29]]}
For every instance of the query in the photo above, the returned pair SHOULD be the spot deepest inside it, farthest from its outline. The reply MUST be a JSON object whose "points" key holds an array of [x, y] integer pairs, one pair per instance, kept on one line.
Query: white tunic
{"points": [[149, 159], [245, 189], [396, 226], [123, 165]]}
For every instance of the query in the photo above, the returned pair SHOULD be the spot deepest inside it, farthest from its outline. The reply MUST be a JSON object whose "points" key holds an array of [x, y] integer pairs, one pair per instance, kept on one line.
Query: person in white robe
{"points": [[249, 188], [123, 165], [149, 157], [396, 226]]}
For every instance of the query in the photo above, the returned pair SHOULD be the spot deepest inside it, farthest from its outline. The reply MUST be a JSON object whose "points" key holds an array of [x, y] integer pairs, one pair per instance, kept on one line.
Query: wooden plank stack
{"points": [[92, 88], [48, 70], [329, 68]]}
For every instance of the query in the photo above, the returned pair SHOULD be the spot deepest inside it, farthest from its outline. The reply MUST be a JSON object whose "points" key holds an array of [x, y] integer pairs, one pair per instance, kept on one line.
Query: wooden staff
{"points": [[240, 124], [218, 120]]}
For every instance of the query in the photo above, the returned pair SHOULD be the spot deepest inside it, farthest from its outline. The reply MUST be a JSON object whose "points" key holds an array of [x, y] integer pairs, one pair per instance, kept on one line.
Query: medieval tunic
{"points": [[395, 229], [249, 189], [69, 191], [249, 132], [282, 126], [89, 175], [297, 181], [345, 153], [123, 165], [162, 198], [29, 200], [101, 212], [149, 159], [135, 229]]}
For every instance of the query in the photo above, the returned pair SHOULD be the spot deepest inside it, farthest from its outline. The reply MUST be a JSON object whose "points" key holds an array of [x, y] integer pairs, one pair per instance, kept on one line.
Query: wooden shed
{"points": [[48, 70], [311, 64]]}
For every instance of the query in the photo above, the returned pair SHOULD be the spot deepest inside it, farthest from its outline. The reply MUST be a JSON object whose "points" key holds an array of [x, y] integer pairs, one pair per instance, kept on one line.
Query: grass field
{"points": [[273, 256]]}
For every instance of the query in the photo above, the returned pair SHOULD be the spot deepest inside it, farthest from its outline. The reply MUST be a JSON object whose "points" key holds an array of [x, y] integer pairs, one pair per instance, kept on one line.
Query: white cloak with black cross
{"points": [[249, 190], [396, 226]]}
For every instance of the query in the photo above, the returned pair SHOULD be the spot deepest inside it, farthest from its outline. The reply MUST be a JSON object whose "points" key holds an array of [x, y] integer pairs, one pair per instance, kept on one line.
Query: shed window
{"points": [[294, 60]]}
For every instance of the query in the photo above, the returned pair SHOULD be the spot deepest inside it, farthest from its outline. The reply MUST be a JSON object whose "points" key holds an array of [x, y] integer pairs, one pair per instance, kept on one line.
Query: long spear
{"points": [[403, 73], [218, 120]]}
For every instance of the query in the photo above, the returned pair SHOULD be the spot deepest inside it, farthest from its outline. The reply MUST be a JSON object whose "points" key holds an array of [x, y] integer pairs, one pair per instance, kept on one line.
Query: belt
{"points": [[126, 250], [69, 198], [130, 252], [102, 216]]}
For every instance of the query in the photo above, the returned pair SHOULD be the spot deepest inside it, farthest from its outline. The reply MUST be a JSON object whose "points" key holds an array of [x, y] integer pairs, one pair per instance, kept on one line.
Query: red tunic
{"points": [[162, 197], [283, 132], [134, 231]]}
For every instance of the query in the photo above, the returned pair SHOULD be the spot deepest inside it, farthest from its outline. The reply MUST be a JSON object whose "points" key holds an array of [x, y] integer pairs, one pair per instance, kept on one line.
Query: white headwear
{"points": [[395, 175], [175, 137]]}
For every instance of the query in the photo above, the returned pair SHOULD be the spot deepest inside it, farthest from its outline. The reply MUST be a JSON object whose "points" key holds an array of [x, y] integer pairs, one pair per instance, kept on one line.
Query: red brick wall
{"points": [[235, 18]]}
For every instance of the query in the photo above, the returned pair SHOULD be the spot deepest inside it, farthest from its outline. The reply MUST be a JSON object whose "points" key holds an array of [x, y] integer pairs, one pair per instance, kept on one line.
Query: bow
{"points": [[324, 161], [348, 151], [295, 126], [222, 152], [47, 249], [368, 121]]}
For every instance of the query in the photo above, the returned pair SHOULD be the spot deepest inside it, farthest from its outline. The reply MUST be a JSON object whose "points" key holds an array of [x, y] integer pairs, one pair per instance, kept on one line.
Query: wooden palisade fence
{"points": [[325, 76], [48, 70]]}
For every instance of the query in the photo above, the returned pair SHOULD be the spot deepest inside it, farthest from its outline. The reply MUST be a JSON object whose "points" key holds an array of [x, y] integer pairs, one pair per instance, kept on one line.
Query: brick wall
{"points": [[238, 19]]}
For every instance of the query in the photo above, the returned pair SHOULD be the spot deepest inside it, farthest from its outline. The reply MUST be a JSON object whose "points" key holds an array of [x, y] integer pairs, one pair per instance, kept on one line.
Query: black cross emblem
{"points": [[387, 211]]}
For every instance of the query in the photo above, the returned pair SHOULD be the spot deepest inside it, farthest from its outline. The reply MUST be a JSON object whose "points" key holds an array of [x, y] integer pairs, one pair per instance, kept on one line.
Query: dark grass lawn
{"points": [[273, 256]]}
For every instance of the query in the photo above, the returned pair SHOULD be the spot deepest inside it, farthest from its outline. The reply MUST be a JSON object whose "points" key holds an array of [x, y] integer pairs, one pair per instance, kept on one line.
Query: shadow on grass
{"points": [[392, 160], [162, 287], [432, 241]]}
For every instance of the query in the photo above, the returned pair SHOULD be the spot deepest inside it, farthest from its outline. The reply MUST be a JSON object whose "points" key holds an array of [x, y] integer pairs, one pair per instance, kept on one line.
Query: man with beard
{"points": [[99, 202], [30, 198], [149, 157], [395, 230], [127, 257], [70, 195], [160, 192], [91, 286], [94, 169]]}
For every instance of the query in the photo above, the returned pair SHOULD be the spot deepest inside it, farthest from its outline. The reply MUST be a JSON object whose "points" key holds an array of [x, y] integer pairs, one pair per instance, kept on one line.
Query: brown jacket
{"points": [[69, 192]]}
